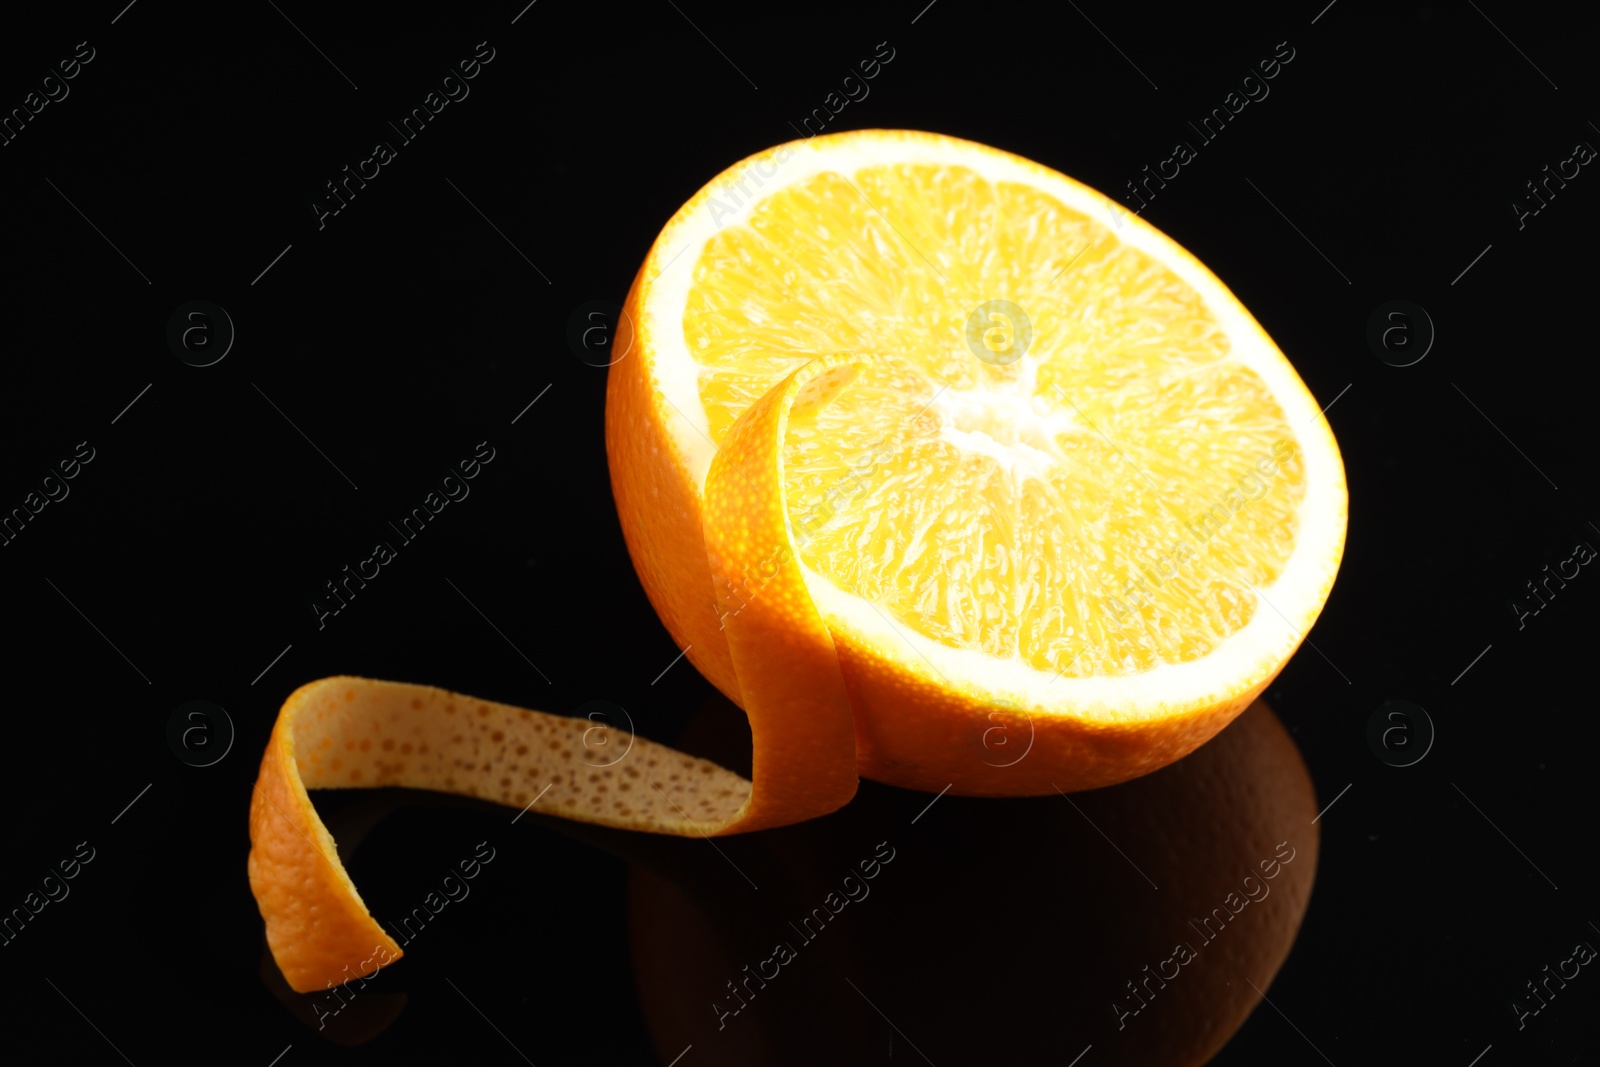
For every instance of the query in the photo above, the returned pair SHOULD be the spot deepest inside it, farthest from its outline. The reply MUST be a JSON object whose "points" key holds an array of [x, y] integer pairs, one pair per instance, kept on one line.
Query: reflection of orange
{"points": [[895, 541], [952, 943]]}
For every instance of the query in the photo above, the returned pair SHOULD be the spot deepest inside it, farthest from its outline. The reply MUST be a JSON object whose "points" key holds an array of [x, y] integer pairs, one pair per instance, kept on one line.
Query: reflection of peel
{"points": [[356, 1023], [1197, 828]]}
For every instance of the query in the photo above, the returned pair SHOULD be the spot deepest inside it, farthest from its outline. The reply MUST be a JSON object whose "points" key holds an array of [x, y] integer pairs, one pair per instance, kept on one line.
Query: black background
{"points": [[414, 324]]}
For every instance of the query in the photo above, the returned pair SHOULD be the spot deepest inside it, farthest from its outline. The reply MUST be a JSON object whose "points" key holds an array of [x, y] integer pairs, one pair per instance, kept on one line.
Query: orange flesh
{"points": [[1059, 509]]}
